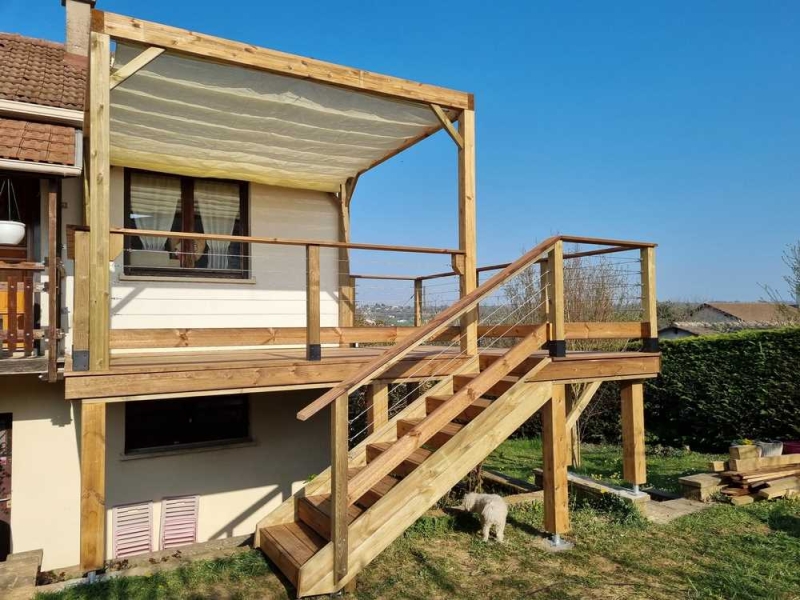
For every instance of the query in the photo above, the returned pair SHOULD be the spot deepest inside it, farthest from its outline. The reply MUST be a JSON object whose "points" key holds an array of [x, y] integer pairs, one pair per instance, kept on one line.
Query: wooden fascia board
{"points": [[174, 39]]}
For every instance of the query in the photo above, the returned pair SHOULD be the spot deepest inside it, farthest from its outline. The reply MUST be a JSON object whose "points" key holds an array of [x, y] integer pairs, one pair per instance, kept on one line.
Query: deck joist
{"points": [[172, 374]]}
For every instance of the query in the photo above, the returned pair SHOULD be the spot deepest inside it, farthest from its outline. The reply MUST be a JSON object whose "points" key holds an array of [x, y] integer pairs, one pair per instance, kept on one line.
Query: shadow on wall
{"points": [[237, 485]]}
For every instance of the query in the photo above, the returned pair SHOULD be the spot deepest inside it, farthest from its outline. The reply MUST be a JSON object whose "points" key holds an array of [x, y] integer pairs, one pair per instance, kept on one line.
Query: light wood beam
{"points": [[418, 299], [346, 283], [140, 61], [227, 51], [649, 305], [313, 344], [93, 486], [80, 320], [377, 405], [581, 402], [339, 520], [448, 125], [53, 280], [555, 263], [634, 464], [99, 200], [554, 451], [467, 227]]}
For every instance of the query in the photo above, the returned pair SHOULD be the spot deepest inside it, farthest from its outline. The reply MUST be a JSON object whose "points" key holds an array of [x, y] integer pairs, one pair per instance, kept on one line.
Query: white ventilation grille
{"points": [[179, 521], [133, 529]]}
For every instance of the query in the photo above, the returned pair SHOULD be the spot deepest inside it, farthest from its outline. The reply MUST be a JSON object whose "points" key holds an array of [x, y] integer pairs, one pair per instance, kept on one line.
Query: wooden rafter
{"points": [[209, 47], [448, 125], [143, 59]]}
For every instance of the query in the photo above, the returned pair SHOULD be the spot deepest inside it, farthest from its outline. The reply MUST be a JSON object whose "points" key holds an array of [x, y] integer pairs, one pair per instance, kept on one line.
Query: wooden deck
{"points": [[145, 375]]}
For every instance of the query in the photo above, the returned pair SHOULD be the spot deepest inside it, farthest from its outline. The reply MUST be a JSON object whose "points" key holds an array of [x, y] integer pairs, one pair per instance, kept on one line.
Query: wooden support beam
{"points": [[93, 486], [377, 405], [581, 402], [347, 305], [80, 303], [448, 125], [99, 177], [418, 301], [555, 263], [467, 240], [313, 347], [227, 51], [554, 454], [649, 307], [53, 280], [339, 504], [573, 433], [634, 465], [140, 61]]}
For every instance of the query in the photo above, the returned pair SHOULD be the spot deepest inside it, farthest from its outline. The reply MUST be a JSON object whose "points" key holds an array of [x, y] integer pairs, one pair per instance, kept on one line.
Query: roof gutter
{"points": [[8, 164], [39, 112]]}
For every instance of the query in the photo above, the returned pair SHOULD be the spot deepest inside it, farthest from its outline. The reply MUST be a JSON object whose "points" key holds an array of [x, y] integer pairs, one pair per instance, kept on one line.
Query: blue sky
{"points": [[674, 122]]}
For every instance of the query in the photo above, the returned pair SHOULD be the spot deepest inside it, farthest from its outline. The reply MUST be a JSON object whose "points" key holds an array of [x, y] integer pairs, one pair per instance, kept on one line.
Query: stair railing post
{"points": [[313, 347], [649, 308], [339, 505], [418, 302], [555, 314]]}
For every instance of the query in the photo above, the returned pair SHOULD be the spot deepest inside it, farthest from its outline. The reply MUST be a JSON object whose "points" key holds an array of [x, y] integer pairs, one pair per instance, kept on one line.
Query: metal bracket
{"points": [[650, 344], [558, 348], [80, 360], [314, 352]]}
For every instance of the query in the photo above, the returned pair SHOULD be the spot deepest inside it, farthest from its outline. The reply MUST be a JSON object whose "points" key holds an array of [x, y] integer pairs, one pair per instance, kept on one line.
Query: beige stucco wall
{"points": [[45, 472], [237, 486]]}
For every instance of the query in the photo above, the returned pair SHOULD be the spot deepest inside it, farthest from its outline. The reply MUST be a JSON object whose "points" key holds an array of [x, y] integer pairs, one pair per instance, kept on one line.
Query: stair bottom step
{"points": [[290, 546]]}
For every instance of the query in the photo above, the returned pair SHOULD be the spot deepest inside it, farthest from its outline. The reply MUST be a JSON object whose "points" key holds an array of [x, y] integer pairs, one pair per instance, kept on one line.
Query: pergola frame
{"points": [[448, 106]]}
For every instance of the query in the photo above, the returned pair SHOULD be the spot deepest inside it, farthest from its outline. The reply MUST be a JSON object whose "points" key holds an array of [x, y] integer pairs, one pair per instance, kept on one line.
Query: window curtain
{"points": [[154, 202], [218, 205]]}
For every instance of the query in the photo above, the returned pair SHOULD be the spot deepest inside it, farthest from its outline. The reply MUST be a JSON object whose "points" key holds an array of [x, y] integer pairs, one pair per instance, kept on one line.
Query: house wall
{"points": [[237, 485], [274, 296]]}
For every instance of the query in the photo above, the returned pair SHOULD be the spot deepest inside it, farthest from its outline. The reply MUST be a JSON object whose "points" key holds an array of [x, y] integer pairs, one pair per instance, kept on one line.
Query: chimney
{"points": [[79, 18]]}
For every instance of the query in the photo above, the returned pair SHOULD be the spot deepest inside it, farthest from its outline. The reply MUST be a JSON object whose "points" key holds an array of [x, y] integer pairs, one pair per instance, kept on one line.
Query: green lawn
{"points": [[722, 553]]}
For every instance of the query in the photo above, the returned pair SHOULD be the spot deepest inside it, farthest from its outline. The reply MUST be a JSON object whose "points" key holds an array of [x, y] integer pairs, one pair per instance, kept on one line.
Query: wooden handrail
{"points": [[439, 323], [249, 239]]}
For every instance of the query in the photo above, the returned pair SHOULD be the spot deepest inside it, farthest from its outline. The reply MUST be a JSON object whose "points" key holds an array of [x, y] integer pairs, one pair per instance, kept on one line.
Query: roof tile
{"points": [[40, 72], [23, 140]]}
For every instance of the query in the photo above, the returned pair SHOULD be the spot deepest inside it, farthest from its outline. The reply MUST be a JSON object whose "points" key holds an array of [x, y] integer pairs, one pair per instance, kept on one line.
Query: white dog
{"points": [[491, 509]]}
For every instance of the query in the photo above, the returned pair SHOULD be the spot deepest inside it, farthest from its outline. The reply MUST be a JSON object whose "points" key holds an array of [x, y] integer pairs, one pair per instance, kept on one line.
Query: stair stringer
{"points": [[388, 518], [286, 512]]}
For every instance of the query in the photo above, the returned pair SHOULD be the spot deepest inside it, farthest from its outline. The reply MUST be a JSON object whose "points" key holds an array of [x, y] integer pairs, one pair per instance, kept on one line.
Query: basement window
{"points": [[164, 425], [159, 202]]}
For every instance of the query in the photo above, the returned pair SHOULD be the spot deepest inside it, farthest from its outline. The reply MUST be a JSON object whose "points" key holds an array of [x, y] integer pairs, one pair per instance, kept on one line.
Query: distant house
{"points": [[719, 317]]}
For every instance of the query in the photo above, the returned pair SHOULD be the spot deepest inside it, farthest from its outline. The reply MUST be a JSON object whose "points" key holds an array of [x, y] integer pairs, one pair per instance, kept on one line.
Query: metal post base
{"points": [[635, 488], [556, 544]]}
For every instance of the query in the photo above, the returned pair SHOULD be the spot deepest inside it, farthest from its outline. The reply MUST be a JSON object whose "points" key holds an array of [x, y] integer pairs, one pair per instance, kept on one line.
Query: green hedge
{"points": [[716, 389]]}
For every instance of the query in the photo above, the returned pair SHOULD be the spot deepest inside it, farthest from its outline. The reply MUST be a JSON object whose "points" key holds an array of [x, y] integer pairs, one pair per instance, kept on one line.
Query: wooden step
{"points": [[438, 440], [290, 546], [477, 407], [497, 390], [315, 511], [378, 491], [407, 466]]}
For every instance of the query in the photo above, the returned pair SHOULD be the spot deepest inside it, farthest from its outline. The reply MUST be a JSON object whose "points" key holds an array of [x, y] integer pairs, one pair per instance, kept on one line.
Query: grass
{"points": [[722, 553]]}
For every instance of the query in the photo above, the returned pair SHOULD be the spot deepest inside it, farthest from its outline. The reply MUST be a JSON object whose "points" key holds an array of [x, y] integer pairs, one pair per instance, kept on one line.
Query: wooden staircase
{"points": [[477, 411]]}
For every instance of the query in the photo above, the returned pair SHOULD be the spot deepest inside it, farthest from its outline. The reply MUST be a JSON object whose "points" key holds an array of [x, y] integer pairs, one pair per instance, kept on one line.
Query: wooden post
{"points": [[377, 405], [554, 451], [544, 286], [649, 306], [573, 436], [93, 485], [634, 464], [99, 199], [53, 280], [555, 262], [27, 298], [339, 524], [347, 305], [467, 227], [80, 304], [313, 347], [418, 290]]}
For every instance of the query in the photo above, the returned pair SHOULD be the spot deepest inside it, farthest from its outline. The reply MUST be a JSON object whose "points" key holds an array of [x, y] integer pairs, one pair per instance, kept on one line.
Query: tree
{"points": [[791, 258]]}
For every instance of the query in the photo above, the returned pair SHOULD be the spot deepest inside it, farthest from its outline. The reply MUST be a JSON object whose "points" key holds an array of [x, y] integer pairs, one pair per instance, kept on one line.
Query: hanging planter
{"points": [[11, 232]]}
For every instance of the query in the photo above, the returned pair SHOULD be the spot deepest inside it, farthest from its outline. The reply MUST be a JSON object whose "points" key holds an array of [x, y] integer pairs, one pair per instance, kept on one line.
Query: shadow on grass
{"points": [[781, 520], [437, 575]]}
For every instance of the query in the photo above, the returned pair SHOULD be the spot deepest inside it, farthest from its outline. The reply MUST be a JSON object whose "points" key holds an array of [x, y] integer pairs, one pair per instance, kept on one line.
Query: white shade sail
{"points": [[200, 118]]}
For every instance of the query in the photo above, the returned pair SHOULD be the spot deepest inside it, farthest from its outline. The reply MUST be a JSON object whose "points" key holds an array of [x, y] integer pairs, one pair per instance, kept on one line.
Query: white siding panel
{"points": [[276, 295]]}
